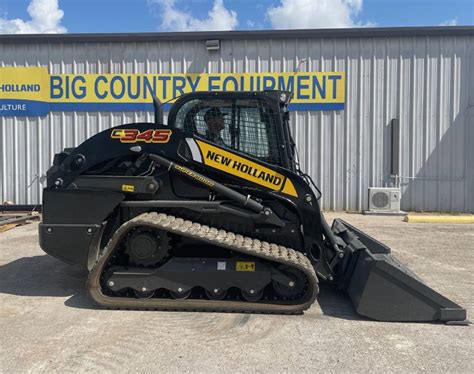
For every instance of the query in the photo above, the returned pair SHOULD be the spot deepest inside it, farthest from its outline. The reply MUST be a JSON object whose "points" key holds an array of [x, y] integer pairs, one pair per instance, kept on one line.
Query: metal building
{"points": [[424, 77]]}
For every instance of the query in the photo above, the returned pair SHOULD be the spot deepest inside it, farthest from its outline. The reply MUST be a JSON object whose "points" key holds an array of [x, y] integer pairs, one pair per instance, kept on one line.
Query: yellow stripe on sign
{"points": [[308, 87], [241, 167], [35, 83]]}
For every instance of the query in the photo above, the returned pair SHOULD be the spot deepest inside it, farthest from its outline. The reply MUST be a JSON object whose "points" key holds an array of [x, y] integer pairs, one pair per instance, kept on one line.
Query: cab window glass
{"points": [[247, 126]]}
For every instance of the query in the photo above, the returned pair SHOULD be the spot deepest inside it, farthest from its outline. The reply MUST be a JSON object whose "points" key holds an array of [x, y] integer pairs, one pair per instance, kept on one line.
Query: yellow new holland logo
{"points": [[243, 168]]}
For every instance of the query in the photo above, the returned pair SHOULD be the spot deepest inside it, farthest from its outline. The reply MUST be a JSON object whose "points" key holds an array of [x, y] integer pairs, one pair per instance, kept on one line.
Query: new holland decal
{"points": [[243, 168]]}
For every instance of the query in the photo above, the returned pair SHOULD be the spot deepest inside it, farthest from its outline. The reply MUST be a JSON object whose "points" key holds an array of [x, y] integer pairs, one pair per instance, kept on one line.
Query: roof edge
{"points": [[367, 32]]}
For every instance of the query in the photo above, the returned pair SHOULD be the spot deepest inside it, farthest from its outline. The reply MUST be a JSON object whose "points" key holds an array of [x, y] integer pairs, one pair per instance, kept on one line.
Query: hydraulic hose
{"points": [[329, 234], [217, 187]]}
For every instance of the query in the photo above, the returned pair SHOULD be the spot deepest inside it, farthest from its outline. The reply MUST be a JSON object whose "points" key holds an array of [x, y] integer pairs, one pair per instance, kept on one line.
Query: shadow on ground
{"points": [[40, 276], [335, 303], [47, 276]]}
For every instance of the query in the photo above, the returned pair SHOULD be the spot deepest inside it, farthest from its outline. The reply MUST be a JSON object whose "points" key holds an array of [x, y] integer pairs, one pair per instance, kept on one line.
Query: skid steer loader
{"points": [[211, 212]]}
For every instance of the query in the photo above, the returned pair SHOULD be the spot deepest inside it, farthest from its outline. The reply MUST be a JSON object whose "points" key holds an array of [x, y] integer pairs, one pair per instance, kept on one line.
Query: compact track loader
{"points": [[211, 212]]}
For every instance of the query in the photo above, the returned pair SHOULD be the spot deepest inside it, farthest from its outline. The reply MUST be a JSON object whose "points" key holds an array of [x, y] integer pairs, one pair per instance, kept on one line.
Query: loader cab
{"points": [[252, 123]]}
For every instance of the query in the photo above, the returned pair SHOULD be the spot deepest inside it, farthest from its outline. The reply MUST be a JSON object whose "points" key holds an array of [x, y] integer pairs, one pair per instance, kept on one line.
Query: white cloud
{"points": [[254, 25], [311, 14], [174, 18], [449, 22], [45, 19]]}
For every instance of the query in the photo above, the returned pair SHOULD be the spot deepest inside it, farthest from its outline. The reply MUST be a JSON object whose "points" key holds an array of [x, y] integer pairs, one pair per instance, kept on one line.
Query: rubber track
{"points": [[229, 240]]}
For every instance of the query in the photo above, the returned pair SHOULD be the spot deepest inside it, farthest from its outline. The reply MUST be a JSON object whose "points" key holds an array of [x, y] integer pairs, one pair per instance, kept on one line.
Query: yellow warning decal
{"points": [[243, 168], [244, 266], [128, 188]]}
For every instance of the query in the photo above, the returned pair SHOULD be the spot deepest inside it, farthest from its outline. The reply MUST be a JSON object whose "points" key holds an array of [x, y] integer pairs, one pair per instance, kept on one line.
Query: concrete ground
{"points": [[48, 324]]}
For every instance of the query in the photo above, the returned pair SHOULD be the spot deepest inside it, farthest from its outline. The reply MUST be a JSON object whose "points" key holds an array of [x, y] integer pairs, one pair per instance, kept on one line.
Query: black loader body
{"points": [[211, 212]]}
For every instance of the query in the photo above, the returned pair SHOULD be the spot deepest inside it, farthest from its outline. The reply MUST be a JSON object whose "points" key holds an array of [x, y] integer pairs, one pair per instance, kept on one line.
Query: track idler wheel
{"points": [[295, 286]]}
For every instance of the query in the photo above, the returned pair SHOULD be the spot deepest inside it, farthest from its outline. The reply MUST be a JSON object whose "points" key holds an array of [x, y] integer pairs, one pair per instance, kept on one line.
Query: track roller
{"points": [[252, 295], [216, 294], [180, 294], [143, 295]]}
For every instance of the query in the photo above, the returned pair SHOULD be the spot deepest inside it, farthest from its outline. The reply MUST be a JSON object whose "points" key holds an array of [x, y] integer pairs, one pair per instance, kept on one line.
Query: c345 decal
{"points": [[147, 136]]}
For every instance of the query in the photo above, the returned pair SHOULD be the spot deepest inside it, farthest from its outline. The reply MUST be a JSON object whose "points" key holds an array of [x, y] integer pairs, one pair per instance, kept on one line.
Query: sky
{"points": [[101, 16]]}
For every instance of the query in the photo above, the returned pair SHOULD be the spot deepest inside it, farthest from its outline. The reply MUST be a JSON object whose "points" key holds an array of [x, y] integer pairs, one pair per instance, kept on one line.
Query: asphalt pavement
{"points": [[48, 324]]}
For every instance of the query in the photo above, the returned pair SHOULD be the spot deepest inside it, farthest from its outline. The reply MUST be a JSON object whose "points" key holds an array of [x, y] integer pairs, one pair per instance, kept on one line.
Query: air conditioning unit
{"points": [[384, 200]]}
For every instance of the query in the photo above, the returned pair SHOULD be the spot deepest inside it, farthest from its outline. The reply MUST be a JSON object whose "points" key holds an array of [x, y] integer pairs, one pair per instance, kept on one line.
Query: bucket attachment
{"points": [[384, 289]]}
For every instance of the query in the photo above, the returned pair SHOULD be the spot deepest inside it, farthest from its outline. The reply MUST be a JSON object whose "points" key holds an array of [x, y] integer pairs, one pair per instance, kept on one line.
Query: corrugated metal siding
{"points": [[423, 81]]}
